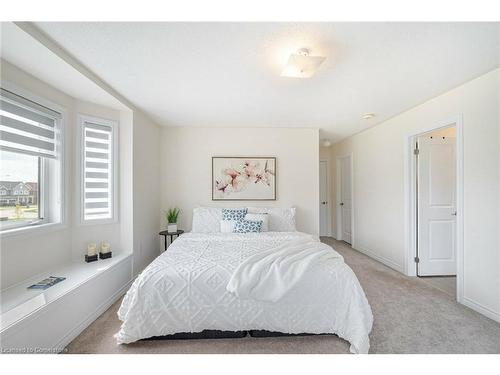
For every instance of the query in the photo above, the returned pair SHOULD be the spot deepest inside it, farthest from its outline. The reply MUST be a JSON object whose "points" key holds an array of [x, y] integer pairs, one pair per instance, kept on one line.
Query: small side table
{"points": [[166, 234]]}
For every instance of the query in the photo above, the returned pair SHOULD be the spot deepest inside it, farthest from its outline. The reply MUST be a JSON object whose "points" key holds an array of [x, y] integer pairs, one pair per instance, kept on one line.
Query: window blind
{"points": [[27, 127], [97, 171]]}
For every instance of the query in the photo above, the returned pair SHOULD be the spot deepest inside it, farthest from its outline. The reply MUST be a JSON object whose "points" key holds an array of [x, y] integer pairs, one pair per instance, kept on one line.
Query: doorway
{"points": [[436, 190], [344, 199], [324, 201]]}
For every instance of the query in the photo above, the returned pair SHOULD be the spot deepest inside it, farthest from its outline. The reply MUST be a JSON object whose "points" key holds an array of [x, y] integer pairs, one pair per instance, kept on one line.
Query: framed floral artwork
{"points": [[243, 178]]}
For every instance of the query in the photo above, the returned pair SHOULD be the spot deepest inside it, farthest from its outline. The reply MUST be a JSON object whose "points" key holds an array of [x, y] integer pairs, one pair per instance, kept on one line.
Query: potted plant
{"points": [[171, 215]]}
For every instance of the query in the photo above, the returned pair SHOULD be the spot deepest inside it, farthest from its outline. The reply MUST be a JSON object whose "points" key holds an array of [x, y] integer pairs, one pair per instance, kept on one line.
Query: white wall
{"points": [[126, 208], [25, 255], [379, 200], [325, 153], [187, 164], [146, 190], [138, 195]]}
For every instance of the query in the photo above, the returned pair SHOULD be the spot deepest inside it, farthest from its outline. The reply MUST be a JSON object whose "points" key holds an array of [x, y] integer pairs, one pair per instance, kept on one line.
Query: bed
{"points": [[211, 281]]}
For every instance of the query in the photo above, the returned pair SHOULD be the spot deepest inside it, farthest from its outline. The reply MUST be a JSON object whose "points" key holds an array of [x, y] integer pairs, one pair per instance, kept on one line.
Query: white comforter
{"points": [[184, 290], [270, 274]]}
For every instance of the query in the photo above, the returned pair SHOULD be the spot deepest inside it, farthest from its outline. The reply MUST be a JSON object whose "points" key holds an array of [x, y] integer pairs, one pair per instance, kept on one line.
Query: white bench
{"points": [[47, 320]]}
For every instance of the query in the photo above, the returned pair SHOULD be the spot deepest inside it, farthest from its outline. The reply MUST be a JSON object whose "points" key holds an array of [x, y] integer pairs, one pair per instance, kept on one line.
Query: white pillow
{"points": [[259, 217], [227, 226], [206, 220], [280, 219]]}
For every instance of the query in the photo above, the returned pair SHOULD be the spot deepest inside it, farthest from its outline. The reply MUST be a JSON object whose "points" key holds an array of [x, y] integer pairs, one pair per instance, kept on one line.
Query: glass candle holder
{"points": [[105, 247], [91, 249]]}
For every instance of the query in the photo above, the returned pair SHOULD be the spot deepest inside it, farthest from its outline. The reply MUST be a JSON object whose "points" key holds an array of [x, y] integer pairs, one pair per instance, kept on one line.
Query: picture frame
{"points": [[244, 178]]}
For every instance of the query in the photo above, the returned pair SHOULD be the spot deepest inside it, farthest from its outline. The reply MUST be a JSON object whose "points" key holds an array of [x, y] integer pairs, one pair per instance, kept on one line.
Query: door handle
{"points": [[341, 203], [454, 213], [324, 202]]}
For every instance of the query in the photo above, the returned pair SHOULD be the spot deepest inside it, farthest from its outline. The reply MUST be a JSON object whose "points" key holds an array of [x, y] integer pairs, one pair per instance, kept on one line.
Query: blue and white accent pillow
{"points": [[229, 218], [248, 226], [234, 213]]}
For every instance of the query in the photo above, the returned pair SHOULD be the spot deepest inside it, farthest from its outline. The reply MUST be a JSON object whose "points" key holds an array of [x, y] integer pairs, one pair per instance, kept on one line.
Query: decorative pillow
{"points": [[248, 226], [234, 213], [227, 226], [206, 220], [280, 219], [259, 217]]}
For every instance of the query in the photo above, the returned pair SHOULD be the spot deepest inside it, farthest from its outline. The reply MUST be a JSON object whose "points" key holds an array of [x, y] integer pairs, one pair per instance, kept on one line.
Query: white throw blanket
{"points": [[270, 274]]}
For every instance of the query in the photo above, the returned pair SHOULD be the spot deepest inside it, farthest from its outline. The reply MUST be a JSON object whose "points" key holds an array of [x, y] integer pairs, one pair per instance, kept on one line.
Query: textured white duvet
{"points": [[270, 274], [184, 290]]}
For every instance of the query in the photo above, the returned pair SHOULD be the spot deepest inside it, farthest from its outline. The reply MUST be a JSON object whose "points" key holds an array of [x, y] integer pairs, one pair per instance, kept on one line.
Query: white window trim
{"points": [[45, 225], [82, 118]]}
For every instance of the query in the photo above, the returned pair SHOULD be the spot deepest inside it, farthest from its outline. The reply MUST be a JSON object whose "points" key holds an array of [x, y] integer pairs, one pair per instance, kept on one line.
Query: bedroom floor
{"points": [[447, 284], [410, 316]]}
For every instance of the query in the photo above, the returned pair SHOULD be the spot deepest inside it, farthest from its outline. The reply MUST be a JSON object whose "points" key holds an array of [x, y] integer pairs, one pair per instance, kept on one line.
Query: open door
{"points": [[436, 200]]}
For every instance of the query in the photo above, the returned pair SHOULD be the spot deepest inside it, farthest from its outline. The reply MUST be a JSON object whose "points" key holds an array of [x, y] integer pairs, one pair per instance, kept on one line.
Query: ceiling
{"points": [[228, 74], [23, 51]]}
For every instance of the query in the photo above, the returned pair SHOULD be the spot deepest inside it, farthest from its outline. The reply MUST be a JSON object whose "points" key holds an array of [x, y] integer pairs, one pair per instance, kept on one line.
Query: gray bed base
{"points": [[215, 334]]}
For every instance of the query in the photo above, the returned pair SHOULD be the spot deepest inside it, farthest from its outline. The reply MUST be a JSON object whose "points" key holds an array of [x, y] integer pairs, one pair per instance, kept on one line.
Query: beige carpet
{"points": [[447, 284], [411, 316]]}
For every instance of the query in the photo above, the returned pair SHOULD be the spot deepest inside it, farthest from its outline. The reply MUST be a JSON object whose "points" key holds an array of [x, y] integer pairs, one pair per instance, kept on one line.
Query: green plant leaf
{"points": [[172, 215]]}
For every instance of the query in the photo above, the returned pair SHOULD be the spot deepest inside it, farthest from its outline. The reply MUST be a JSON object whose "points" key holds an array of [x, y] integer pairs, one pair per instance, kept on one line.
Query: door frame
{"points": [[328, 191], [338, 197], [411, 198]]}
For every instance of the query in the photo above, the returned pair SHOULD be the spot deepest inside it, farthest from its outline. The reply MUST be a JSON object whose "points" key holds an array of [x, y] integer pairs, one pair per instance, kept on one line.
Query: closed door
{"points": [[324, 229], [345, 199], [436, 206]]}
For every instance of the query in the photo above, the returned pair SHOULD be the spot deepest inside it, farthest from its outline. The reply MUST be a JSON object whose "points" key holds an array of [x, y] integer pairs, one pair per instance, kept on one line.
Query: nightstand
{"points": [[166, 234]]}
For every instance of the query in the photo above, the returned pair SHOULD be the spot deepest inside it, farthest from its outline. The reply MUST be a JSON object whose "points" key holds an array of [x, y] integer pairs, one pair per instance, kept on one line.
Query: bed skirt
{"points": [[206, 334], [216, 334]]}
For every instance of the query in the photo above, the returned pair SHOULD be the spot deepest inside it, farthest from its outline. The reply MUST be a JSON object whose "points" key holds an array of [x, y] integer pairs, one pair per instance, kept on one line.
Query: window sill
{"points": [[98, 222], [19, 303], [32, 230]]}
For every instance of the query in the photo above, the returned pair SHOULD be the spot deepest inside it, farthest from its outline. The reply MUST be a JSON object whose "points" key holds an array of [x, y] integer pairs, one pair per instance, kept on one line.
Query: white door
{"points": [[436, 206], [324, 211], [345, 199]]}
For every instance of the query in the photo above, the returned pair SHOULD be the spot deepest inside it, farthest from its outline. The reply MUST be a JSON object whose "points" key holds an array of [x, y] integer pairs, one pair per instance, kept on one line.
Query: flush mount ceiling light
{"points": [[326, 143], [368, 116], [301, 64]]}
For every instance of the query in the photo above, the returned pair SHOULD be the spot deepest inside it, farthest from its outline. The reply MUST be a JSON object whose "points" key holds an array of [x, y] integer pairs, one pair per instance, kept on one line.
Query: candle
{"points": [[105, 247], [91, 249]]}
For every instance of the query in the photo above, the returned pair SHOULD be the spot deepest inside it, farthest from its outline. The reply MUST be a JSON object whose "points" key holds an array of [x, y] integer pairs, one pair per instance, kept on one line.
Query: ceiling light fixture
{"points": [[368, 116], [326, 143], [301, 64]]}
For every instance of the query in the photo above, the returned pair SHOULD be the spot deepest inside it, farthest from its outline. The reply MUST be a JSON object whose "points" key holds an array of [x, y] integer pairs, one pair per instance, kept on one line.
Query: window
{"points": [[98, 170], [19, 180], [30, 158]]}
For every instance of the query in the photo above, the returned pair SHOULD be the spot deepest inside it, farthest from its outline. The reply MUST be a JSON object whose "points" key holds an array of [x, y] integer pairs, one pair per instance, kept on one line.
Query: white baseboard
{"points": [[481, 309], [381, 259], [92, 317]]}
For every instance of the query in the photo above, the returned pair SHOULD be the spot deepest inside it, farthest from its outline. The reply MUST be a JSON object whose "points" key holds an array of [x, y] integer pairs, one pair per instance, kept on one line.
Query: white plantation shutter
{"points": [[97, 170], [27, 127]]}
